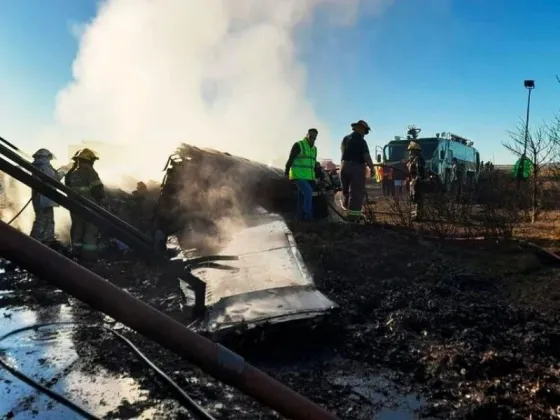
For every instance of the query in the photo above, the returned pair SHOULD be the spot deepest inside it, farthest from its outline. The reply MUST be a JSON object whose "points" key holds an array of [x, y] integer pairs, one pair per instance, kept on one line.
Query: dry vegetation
{"points": [[499, 212], [496, 210]]}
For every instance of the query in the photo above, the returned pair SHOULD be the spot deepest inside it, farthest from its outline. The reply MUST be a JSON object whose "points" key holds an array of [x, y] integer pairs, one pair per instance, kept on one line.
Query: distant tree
{"points": [[542, 150]]}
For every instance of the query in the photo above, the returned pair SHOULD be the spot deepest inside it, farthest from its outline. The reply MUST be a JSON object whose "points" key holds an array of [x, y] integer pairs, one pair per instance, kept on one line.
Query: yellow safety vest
{"points": [[303, 166]]}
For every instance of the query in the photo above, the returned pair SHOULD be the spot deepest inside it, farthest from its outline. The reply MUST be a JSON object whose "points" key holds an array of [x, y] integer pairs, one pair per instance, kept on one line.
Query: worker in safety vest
{"points": [[417, 172], [43, 225], [523, 168], [300, 168], [85, 181], [355, 158], [379, 174]]}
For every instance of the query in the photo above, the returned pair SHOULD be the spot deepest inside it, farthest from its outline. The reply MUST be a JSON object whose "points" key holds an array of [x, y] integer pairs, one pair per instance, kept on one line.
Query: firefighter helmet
{"points": [[414, 146], [86, 154], [43, 153]]}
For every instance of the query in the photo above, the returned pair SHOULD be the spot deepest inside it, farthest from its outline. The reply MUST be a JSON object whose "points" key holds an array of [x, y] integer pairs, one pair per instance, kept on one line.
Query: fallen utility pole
{"points": [[103, 296]]}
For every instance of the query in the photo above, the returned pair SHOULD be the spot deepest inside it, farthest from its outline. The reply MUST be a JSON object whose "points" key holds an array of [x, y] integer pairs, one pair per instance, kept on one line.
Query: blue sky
{"points": [[447, 65], [453, 66]]}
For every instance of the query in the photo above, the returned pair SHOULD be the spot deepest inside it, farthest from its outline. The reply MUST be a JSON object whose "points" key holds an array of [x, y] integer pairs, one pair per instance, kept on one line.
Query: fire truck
{"points": [[438, 151]]}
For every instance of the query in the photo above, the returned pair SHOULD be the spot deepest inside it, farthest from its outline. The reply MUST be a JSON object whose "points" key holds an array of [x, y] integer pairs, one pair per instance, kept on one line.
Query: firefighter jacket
{"points": [[303, 166], [44, 165], [85, 181], [416, 168]]}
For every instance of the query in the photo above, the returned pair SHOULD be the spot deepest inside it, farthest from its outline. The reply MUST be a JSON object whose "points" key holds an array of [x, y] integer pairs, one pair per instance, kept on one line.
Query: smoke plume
{"points": [[150, 74]]}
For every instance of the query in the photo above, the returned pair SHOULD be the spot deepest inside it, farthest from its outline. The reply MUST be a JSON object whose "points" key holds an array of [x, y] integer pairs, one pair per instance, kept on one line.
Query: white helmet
{"points": [[43, 153]]}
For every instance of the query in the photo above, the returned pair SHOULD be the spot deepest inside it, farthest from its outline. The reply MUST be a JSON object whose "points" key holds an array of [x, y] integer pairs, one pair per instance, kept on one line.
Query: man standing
{"points": [[43, 225], [456, 178], [85, 181], [355, 157], [416, 173], [300, 168]]}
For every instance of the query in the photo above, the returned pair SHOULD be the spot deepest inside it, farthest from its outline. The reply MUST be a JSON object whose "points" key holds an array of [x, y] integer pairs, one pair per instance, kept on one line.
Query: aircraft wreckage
{"points": [[226, 204], [210, 202]]}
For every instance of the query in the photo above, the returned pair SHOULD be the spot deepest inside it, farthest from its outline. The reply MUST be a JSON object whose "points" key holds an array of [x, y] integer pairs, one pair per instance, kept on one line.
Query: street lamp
{"points": [[529, 85]]}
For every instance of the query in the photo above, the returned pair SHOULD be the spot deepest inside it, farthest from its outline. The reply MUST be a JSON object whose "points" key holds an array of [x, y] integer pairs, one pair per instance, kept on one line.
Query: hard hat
{"points": [[363, 124], [414, 146], [43, 153], [87, 154]]}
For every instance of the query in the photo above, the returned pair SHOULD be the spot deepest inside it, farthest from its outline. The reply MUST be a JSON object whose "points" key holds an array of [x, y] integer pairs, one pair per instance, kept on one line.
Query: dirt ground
{"points": [[471, 326], [469, 320]]}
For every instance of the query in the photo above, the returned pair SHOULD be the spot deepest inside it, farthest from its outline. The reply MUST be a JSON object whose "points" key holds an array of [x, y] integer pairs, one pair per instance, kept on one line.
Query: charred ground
{"points": [[466, 324]]}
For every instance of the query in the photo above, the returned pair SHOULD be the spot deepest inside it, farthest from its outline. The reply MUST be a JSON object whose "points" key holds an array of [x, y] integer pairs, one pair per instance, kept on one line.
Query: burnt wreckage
{"points": [[216, 202], [265, 279]]}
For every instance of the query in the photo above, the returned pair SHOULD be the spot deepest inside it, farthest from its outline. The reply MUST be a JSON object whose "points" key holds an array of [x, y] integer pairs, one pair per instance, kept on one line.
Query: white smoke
{"points": [[16, 208], [150, 74]]}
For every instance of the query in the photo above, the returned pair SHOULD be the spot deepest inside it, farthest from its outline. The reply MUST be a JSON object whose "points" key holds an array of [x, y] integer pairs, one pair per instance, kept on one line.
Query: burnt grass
{"points": [[441, 315], [422, 308]]}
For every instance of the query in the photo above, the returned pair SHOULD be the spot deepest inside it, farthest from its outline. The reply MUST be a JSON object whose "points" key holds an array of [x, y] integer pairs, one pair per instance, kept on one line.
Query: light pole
{"points": [[529, 85]]}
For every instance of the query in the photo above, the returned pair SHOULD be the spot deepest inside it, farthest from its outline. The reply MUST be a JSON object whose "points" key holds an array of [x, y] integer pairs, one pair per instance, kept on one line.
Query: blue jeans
{"points": [[304, 208]]}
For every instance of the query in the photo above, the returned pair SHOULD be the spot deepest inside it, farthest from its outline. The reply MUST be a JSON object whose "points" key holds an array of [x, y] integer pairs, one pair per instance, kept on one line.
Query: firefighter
{"points": [[417, 172], [85, 181], [300, 168], [139, 209], [456, 177], [43, 225], [355, 157]]}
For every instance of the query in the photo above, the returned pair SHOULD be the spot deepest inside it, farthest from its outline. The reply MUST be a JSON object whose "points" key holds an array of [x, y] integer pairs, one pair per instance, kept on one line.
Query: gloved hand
{"points": [[65, 169]]}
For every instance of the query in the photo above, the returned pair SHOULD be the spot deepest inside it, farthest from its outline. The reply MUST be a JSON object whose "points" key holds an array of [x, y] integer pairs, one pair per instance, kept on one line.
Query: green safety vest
{"points": [[303, 166], [527, 168]]}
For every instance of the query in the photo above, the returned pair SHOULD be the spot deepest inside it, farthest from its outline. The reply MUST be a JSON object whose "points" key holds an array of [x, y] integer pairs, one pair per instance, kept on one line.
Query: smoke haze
{"points": [[150, 74]]}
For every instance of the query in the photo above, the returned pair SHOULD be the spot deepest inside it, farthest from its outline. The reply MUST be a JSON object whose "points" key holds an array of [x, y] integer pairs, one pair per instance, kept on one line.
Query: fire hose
{"points": [[21, 211], [187, 401]]}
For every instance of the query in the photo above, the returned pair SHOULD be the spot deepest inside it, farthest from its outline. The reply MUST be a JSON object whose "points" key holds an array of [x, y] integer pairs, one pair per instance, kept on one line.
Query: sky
{"points": [[251, 77]]}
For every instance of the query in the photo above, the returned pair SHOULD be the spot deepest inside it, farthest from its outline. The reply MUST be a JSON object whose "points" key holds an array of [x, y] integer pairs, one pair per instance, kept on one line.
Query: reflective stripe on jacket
{"points": [[303, 166], [82, 180]]}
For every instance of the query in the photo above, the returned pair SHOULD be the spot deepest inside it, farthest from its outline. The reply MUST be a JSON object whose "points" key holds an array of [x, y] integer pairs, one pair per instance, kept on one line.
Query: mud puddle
{"points": [[380, 394], [385, 398], [356, 390], [57, 357]]}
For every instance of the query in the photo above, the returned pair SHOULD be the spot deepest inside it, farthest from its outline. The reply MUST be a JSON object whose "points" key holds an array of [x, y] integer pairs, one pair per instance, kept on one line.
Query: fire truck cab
{"points": [[438, 151]]}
